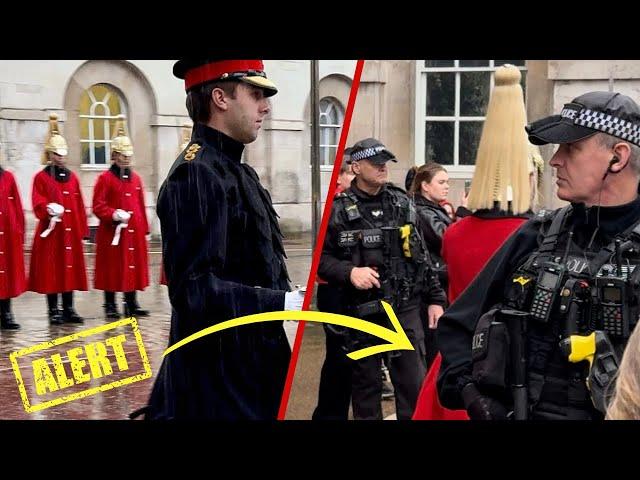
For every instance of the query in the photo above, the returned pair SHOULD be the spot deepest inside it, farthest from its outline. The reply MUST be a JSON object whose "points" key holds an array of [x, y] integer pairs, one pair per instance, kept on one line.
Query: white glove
{"points": [[293, 300], [121, 216], [55, 209]]}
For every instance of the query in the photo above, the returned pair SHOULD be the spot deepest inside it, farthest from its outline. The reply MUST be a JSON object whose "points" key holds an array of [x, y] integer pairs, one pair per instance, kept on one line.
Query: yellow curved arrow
{"points": [[397, 338]]}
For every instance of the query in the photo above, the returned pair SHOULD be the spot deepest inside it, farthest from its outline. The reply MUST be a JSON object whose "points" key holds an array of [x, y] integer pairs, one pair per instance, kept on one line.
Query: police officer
{"points": [[121, 245], [559, 276], [223, 255], [334, 392], [374, 251]]}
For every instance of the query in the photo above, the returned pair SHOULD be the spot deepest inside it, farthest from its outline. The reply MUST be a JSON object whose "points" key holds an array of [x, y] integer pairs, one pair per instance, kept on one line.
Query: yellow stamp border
{"points": [[13, 357]]}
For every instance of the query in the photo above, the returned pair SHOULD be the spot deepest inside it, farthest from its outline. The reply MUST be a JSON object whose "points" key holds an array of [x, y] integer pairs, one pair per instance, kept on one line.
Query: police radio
{"points": [[613, 309], [549, 283], [547, 287], [612, 293]]}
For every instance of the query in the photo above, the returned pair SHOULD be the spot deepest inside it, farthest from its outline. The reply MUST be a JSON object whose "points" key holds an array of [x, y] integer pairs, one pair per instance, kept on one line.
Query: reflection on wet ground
{"points": [[116, 403]]}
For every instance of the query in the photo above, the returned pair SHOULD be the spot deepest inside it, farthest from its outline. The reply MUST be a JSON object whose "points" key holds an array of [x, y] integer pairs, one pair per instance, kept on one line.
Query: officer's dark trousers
{"points": [[430, 345], [334, 394], [407, 370]]}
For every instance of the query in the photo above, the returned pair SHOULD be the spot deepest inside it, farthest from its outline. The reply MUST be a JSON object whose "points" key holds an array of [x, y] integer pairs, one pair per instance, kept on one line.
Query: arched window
{"points": [[331, 118], [99, 107]]}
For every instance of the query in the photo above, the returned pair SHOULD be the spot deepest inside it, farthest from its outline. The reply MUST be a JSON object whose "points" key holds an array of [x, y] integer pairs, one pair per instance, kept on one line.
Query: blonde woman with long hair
{"points": [[625, 402]]}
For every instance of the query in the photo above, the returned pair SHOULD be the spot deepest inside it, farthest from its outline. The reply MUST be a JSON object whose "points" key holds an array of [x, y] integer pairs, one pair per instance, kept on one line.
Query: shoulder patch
{"points": [[190, 154]]}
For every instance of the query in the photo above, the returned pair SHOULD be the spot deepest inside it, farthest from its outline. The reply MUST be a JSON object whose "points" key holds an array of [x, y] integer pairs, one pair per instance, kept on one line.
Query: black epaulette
{"points": [[348, 202], [544, 216], [395, 188], [403, 201]]}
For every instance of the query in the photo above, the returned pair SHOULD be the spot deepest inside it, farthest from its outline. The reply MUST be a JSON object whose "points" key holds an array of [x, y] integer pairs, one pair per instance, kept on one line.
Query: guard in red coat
{"points": [[57, 257], [12, 278], [121, 251]]}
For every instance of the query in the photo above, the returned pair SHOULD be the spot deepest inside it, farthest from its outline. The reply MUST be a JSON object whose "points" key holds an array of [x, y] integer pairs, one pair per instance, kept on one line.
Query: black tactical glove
{"points": [[481, 407]]}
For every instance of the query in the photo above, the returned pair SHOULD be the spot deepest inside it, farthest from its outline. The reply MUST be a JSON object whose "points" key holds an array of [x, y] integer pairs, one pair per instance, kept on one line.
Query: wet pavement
{"points": [[116, 403]]}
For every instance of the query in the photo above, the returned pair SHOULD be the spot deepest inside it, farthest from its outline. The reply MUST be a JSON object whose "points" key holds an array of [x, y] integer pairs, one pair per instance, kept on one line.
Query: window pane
{"points": [[440, 94], [84, 128], [333, 116], [438, 63], [333, 136], [84, 154], [85, 104], [327, 155], [474, 63], [439, 142], [517, 63], [474, 93], [98, 129], [99, 92], [100, 153], [331, 112], [324, 136], [101, 101], [469, 140]]}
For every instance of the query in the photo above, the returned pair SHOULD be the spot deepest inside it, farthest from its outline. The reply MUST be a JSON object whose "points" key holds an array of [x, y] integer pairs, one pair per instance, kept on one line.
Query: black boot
{"points": [[110, 309], [132, 309], [6, 317], [69, 315], [55, 315]]}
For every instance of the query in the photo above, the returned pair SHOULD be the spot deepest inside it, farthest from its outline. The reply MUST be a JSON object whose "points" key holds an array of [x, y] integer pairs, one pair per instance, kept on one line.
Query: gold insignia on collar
{"points": [[522, 280], [191, 152]]}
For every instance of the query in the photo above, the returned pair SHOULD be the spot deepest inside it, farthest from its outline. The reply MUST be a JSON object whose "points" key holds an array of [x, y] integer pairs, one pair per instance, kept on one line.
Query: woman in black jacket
{"points": [[430, 187]]}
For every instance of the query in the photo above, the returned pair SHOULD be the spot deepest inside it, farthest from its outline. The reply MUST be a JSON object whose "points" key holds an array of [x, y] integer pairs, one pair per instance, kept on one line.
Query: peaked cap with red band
{"points": [[196, 72]]}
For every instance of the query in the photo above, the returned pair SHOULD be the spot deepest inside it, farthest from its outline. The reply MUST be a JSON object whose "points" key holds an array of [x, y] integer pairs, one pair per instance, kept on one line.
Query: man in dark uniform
{"points": [[223, 255], [562, 272], [373, 250]]}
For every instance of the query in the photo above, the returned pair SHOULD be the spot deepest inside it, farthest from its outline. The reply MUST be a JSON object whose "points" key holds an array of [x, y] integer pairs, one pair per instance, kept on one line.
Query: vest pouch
{"points": [[490, 351], [520, 291], [368, 309], [372, 243]]}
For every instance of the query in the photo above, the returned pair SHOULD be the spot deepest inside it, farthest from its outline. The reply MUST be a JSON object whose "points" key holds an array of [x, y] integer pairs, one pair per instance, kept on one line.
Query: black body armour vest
{"points": [[569, 291], [380, 233]]}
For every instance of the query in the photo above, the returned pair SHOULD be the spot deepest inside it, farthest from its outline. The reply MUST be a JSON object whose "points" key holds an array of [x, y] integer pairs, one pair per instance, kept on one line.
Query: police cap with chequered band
{"points": [[196, 72], [372, 150], [586, 115]]}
